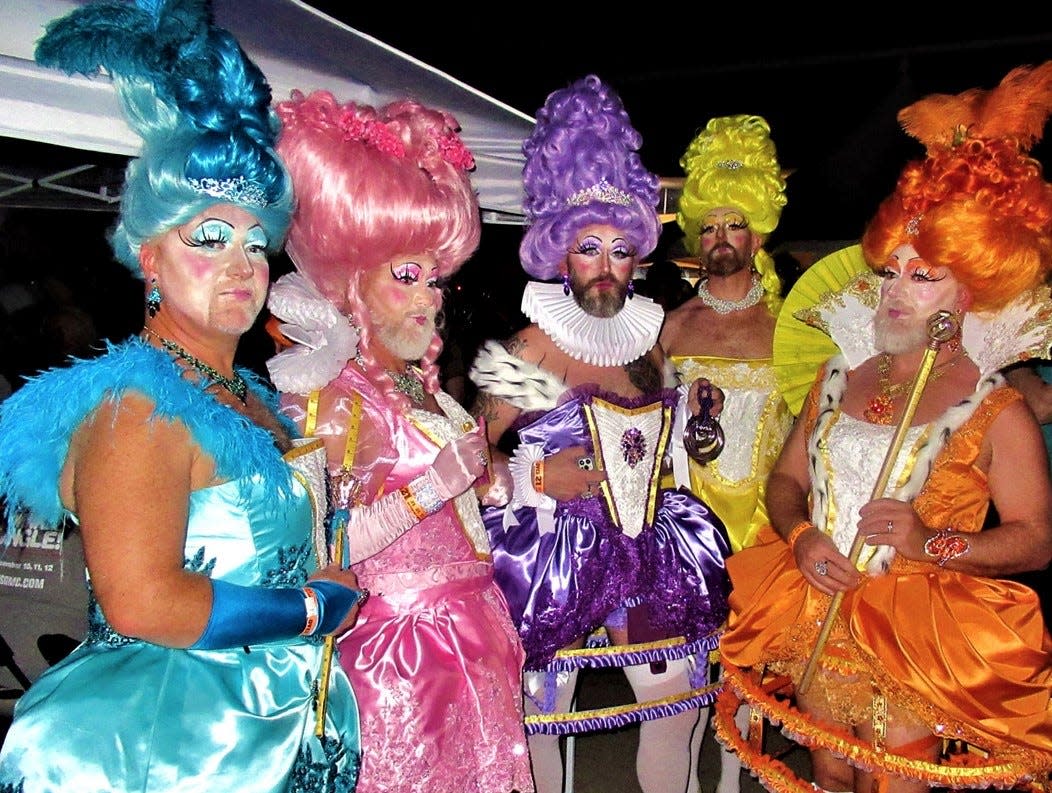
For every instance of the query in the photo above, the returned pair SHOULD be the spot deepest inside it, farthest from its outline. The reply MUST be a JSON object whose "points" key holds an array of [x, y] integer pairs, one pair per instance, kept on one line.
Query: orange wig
{"points": [[977, 204]]}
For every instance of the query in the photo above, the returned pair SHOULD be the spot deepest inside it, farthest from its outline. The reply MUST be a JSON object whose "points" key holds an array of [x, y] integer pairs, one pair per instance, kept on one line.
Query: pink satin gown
{"points": [[434, 659]]}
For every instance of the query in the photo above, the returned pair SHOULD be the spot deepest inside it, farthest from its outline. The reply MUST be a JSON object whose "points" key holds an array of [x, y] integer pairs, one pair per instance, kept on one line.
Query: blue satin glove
{"points": [[245, 615]]}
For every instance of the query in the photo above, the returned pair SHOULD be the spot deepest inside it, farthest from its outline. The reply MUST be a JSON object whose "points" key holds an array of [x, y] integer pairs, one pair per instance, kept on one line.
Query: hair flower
{"points": [[453, 151], [383, 139], [370, 132]]}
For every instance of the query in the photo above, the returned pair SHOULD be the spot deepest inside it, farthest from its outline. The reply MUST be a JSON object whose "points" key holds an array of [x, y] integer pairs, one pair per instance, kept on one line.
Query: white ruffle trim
{"points": [[599, 341], [520, 465], [323, 339]]}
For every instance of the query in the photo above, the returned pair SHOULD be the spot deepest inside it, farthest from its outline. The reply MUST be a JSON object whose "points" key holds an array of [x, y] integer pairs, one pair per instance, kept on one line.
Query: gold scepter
{"points": [[327, 653], [942, 326], [345, 490]]}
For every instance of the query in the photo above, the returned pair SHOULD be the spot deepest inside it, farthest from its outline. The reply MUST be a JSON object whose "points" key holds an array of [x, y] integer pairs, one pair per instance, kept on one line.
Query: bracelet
{"points": [[796, 531], [945, 545], [537, 475], [421, 497], [310, 600], [412, 503]]}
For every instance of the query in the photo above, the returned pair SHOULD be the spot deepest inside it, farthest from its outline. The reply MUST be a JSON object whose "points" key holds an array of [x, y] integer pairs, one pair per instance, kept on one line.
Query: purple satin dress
{"points": [[657, 552]]}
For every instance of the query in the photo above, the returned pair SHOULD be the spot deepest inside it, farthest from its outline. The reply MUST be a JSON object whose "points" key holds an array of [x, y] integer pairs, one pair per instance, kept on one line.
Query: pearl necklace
{"points": [[721, 306], [236, 385]]}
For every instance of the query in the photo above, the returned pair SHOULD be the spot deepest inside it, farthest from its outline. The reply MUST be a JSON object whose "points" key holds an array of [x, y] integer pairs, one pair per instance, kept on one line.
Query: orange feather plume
{"points": [[1018, 107]]}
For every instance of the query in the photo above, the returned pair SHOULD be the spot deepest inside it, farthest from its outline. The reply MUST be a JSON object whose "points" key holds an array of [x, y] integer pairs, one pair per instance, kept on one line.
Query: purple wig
{"points": [[583, 168]]}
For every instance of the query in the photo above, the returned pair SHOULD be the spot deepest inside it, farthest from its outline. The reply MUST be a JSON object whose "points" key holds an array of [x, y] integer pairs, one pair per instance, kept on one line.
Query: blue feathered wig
{"points": [[583, 168], [201, 107]]}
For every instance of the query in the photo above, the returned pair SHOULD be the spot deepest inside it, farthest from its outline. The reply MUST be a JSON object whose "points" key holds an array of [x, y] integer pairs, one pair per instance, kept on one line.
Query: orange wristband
{"points": [[538, 476], [412, 503], [310, 601], [797, 530], [945, 546]]}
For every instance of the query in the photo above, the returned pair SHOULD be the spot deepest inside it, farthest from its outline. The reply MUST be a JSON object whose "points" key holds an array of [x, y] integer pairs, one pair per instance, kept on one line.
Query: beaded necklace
{"points": [[236, 385], [721, 306], [410, 385]]}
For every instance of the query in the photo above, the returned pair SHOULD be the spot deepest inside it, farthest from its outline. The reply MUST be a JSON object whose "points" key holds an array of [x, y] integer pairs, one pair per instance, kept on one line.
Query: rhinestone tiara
{"points": [[237, 190], [603, 192]]}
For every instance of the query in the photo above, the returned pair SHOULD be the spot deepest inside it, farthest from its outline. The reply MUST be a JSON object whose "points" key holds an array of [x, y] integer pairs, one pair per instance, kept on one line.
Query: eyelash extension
{"points": [[581, 250], [205, 240], [926, 276]]}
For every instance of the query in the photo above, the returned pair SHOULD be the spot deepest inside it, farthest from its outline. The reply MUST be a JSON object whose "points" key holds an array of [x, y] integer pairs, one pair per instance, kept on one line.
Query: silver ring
{"points": [[588, 493], [822, 567], [585, 463], [891, 526], [483, 459]]}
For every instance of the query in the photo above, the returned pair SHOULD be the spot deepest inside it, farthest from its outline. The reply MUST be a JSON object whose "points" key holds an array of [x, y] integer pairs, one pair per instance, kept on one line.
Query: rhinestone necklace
{"points": [[410, 385], [235, 385], [721, 306]]}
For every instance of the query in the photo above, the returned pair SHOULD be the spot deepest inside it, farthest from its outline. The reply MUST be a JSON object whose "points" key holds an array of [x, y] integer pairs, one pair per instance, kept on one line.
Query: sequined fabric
{"points": [[636, 544]]}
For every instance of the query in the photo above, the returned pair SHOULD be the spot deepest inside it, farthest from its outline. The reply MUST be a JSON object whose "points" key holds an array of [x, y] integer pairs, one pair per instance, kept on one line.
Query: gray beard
{"points": [[407, 346], [898, 340]]}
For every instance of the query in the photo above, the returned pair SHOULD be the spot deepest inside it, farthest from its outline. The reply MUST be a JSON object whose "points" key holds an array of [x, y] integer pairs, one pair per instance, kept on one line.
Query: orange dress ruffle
{"points": [[970, 656]]}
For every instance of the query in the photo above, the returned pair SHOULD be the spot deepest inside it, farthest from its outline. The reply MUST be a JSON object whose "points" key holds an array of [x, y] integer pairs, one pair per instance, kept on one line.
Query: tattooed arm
{"points": [[498, 413]]}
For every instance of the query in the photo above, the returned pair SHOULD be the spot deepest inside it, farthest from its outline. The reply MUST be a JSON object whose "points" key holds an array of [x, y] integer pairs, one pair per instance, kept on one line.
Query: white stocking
{"points": [[730, 765], [545, 758], [667, 761]]}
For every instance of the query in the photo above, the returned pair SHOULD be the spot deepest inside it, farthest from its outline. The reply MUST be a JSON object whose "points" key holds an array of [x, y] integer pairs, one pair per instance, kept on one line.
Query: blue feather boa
{"points": [[37, 423]]}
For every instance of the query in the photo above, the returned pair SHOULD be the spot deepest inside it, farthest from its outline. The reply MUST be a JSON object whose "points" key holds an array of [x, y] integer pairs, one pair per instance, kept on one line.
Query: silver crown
{"points": [[729, 165], [603, 192], [237, 190]]}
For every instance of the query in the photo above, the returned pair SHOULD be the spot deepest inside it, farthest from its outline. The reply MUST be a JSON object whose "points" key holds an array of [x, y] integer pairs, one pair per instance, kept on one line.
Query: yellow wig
{"points": [[733, 163]]}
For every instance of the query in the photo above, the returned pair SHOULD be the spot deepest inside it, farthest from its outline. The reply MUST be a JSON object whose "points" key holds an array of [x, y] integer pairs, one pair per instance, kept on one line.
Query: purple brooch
{"points": [[633, 446]]}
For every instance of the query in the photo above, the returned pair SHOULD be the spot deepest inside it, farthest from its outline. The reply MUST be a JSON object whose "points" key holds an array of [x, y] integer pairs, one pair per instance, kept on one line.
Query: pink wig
{"points": [[372, 184]]}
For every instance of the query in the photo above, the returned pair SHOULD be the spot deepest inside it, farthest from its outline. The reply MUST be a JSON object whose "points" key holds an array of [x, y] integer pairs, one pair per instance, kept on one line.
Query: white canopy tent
{"points": [[295, 45]]}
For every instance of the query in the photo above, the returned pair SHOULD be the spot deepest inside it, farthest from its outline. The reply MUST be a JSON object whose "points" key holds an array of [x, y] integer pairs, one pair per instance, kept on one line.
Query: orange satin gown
{"points": [[970, 656]]}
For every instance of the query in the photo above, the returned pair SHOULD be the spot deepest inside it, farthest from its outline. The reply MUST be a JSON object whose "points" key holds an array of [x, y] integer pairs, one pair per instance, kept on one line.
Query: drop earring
{"points": [[153, 298], [631, 289], [954, 344], [566, 283]]}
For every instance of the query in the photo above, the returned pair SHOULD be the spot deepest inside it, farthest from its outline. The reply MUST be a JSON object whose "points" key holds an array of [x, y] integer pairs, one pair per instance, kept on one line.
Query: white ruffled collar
{"points": [[612, 341], [992, 340], [323, 338]]}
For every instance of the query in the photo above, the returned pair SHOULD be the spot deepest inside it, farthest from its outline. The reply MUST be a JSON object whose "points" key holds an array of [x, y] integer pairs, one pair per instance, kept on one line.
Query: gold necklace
{"points": [[881, 407]]}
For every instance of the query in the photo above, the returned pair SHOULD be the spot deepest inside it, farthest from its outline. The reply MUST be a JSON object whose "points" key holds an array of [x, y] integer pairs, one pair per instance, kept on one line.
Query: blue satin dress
{"points": [[120, 714]]}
